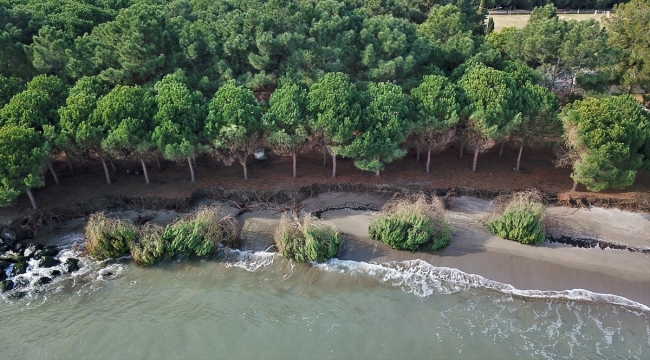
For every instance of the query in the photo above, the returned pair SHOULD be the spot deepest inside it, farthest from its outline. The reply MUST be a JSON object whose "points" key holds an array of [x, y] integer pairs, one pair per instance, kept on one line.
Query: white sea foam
{"points": [[423, 279], [89, 269]]}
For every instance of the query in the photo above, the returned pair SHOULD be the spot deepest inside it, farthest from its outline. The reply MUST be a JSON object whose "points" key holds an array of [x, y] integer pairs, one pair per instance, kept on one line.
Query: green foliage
{"points": [[384, 126], [628, 33], [491, 101], [126, 114], [80, 130], [521, 220], [606, 138], [307, 239], [22, 155], [36, 106], [233, 120], [180, 118], [555, 46], [334, 103], [150, 247], [286, 118], [200, 234], [9, 86], [448, 28], [107, 237], [409, 225], [435, 112]]}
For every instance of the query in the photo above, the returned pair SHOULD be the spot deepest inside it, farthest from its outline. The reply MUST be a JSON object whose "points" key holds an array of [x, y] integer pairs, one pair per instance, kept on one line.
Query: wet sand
{"points": [[549, 266]]}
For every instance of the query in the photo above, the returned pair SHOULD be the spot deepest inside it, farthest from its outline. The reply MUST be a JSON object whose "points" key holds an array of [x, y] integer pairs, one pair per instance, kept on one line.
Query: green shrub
{"points": [[150, 247], [307, 239], [200, 234], [521, 220], [410, 224], [108, 238]]}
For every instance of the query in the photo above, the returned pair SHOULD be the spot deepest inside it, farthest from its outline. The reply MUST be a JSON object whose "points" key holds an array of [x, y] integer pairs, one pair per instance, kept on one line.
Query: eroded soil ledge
{"points": [[29, 225]]}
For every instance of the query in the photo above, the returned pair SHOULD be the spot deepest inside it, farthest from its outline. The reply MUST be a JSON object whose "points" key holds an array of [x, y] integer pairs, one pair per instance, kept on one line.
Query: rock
{"points": [[17, 295], [19, 268], [6, 285], [12, 257], [48, 262], [48, 251], [4, 264], [55, 273], [4, 248], [9, 236], [70, 265], [108, 273], [18, 247], [31, 250], [42, 281], [3, 274]]}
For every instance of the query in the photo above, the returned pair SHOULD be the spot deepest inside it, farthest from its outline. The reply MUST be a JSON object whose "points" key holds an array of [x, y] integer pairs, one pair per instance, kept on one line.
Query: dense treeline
{"points": [[560, 4], [360, 79]]}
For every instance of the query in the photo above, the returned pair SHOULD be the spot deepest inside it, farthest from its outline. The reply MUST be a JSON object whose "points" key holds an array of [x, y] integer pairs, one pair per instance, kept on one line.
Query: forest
{"points": [[105, 80]]}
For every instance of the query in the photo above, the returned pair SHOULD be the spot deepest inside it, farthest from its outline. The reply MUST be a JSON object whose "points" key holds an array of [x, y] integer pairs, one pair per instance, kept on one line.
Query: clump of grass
{"points": [[307, 239], [200, 233], [150, 247], [107, 237], [409, 224], [519, 217]]}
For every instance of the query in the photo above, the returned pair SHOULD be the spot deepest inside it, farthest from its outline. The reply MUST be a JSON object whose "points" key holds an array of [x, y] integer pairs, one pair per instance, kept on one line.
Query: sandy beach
{"points": [[549, 266]]}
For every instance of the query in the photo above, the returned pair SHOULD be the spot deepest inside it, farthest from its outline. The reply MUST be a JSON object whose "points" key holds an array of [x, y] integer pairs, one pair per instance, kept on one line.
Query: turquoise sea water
{"points": [[259, 305]]}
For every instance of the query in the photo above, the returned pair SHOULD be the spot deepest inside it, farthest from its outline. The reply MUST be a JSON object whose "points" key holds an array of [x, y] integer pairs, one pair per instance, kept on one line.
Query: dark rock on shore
{"points": [[71, 265], [42, 281], [48, 262], [32, 249], [12, 257], [4, 264], [3, 274], [55, 273], [17, 295], [19, 268], [6, 285], [48, 251]]}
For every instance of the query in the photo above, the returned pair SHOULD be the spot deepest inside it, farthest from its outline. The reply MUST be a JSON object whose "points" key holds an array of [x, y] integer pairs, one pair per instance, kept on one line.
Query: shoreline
{"points": [[547, 267]]}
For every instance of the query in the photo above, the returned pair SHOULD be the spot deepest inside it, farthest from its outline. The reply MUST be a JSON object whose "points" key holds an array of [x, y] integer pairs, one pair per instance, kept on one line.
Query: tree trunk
{"points": [[428, 160], [110, 159], [575, 186], [67, 158], [31, 198], [378, 160], [334, 165], [243, 163], [462, 147], [56, 177], [189, 162], [475, 160], [501, 151], [418, 158], [146, 173], [324, 157], [194, 160], [108, 176], [294, 163], [158, 162], [521, 149]]}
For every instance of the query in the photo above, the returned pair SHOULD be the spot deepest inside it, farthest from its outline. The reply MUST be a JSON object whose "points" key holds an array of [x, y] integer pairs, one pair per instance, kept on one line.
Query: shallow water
{"points": [[259, 305]]}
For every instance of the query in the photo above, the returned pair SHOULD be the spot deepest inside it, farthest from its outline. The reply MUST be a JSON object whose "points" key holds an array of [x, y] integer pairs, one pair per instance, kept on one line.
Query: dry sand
{"points": [[546, 267]]}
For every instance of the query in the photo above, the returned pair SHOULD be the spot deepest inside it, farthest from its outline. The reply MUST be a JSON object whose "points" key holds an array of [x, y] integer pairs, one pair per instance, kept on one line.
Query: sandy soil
{"points": [[474, 250], [447, 171]]}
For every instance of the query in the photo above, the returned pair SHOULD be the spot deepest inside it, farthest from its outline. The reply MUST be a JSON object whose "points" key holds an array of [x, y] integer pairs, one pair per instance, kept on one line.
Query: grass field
{"points": [[519, 21]]}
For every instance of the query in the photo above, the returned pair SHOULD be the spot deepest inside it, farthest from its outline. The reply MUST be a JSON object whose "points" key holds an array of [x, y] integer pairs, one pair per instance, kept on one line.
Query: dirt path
{"points": [[447, 171]]}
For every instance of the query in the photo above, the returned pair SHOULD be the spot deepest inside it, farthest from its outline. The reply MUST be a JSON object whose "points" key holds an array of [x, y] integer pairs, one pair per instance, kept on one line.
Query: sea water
{"points": [[259, 305]]}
